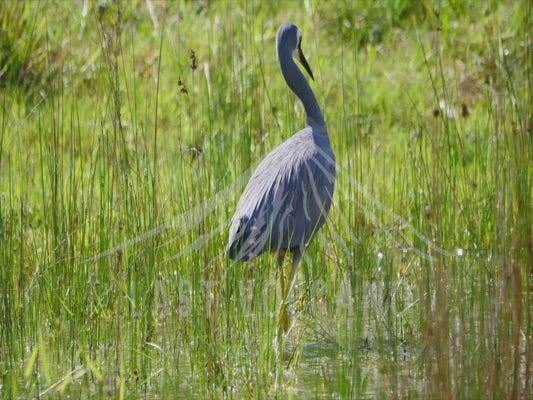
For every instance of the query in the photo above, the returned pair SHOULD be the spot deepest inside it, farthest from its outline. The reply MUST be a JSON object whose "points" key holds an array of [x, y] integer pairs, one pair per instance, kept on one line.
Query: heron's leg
{"points": [[283, 317], [281, 260], [296, 258], [286, 288]]}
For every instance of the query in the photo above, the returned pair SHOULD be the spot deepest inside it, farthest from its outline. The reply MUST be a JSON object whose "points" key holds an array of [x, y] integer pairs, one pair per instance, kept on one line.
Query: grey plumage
{"points": [[289, 196]]}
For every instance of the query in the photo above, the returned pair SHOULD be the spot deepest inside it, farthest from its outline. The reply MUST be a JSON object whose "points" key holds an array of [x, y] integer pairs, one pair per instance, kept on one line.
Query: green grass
{"points": [[117, 185]]}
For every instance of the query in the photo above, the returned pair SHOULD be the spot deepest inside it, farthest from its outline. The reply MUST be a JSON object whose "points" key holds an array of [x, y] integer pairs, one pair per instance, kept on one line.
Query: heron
{"points": [[288, 197]]}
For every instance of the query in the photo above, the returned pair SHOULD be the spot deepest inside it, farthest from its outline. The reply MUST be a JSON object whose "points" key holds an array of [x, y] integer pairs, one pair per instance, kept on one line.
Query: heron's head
{"points": [[290, 38]]}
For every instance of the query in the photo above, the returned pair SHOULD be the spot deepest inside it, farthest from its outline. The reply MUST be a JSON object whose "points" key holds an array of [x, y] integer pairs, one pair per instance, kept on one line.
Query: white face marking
{"points": [[296, 54]]}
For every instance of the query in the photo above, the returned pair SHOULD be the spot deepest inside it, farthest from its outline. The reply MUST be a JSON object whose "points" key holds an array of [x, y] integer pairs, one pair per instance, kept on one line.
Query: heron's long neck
{"points": [[300, 86]]}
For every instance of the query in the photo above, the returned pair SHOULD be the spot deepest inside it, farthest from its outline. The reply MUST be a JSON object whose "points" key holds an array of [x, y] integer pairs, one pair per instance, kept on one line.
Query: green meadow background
{"points": [[128, 130]]}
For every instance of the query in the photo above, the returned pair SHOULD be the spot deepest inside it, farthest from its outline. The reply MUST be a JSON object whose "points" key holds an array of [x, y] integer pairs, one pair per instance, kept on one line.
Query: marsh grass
{"points": [[120, 166]]}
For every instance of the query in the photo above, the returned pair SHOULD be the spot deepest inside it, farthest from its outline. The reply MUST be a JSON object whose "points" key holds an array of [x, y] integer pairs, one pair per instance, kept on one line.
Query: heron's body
{"points": [[287, 199], [289, 195]]}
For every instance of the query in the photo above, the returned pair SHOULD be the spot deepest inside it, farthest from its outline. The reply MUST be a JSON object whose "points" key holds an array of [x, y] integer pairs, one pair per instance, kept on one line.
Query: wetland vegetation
{"points": [[128, 131]]}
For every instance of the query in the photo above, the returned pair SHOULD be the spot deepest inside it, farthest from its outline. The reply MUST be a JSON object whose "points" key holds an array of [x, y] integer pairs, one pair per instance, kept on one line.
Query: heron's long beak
{"points": [[300, 56]]}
